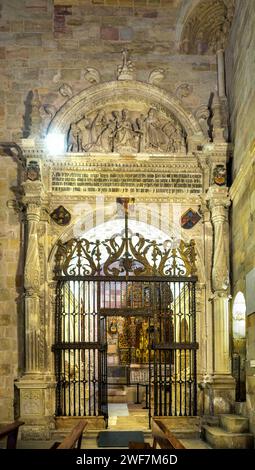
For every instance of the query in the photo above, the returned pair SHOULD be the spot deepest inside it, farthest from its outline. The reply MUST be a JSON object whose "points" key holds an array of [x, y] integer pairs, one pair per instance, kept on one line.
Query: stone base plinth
{"points": [[220, 395], [37, 403]]}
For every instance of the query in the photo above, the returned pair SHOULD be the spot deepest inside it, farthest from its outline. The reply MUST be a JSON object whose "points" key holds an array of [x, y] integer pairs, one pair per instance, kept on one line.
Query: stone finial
{"points": [[125, 71], [35, 116]]}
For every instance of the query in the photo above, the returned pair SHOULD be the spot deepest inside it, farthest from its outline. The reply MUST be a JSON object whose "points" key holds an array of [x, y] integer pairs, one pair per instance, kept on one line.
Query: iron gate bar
{"points": [[76, 345], [167, 347], [103, 279], [167, 382], [123, 312]]}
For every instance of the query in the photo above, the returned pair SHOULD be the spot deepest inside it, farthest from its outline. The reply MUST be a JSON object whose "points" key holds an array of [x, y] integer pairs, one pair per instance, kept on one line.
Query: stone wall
{"points": [[10, 288], [45, 44], [240, 68]]}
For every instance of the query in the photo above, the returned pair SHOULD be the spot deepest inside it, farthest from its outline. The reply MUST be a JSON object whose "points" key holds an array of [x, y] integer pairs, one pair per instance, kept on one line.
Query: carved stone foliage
{"points": [[183, 90], [156, 76], [207, 27], [92, 75], [66, 90], [202, 114], [32, 402], [124, 130]]}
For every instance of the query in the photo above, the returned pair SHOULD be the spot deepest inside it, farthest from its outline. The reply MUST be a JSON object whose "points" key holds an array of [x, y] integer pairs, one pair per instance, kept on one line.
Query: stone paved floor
{"points": [[137, 420]]}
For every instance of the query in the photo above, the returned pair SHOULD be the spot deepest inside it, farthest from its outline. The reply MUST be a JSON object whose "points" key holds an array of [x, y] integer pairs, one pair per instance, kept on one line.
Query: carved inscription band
{"points": [[128, 182]]}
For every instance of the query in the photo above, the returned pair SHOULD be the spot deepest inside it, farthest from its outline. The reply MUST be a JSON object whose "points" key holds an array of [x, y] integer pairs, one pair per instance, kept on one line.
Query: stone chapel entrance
{"points": [[142, 291], [134, 291]]}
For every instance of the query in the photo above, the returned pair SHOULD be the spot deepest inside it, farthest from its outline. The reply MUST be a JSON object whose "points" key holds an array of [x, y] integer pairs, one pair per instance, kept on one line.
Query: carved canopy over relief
{"points": [[126, 116], [124, 130]]}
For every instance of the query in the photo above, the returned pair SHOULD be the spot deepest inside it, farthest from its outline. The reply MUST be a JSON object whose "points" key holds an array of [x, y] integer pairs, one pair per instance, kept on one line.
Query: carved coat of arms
{"points": [[219, 175], [61, 216], [33, 171], [189, 219]]}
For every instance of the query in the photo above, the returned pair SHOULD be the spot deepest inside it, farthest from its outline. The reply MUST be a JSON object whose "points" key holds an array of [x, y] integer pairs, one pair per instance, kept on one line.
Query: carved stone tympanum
{"points": [[124, 130]]}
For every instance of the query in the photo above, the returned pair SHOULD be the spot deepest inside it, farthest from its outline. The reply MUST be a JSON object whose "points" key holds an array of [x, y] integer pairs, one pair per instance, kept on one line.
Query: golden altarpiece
{"points": [[89, 282]]}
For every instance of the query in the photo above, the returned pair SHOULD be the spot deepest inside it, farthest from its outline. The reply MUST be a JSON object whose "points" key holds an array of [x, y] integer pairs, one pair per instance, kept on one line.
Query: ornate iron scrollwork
{"points": [[119, 256]]}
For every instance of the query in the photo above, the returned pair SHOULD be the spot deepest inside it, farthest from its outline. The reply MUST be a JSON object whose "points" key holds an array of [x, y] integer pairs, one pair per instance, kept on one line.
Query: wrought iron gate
{"points": [[152, 286]]}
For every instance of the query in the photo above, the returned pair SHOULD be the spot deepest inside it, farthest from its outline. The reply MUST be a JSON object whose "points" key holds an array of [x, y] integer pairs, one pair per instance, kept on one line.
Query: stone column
{"points": [[36, 386], [222, 382], [221, 72], [32, 287]]}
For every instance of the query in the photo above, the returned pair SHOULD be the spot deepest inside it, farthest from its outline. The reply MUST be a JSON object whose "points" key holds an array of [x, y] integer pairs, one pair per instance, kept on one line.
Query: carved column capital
{"points": [[218, 198], [33, 211]]}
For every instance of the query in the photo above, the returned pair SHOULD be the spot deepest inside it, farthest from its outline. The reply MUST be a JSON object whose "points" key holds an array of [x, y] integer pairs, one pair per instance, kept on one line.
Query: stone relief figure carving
{"points": [[124, 130], [79, 135], [155, 138], [111, 129], [124, 133], [97, 130], [176, 138]]}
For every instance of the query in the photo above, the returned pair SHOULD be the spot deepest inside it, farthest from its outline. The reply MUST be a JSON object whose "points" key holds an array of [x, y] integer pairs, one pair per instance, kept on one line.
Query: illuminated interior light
{"points": [[55, 143]]}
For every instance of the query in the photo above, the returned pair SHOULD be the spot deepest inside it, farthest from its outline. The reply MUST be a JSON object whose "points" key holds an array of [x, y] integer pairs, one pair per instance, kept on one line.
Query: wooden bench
{"points": [[162, 437], [11, 432], [73, 440]]}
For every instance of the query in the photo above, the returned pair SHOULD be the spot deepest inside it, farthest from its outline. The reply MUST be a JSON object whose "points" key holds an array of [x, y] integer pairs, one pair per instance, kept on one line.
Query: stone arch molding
{"points": [[145, 102]]}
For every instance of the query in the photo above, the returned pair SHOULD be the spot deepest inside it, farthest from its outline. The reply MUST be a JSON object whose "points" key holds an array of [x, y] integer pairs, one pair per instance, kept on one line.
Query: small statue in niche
{"points": [[33, 171], [219, 175]]}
